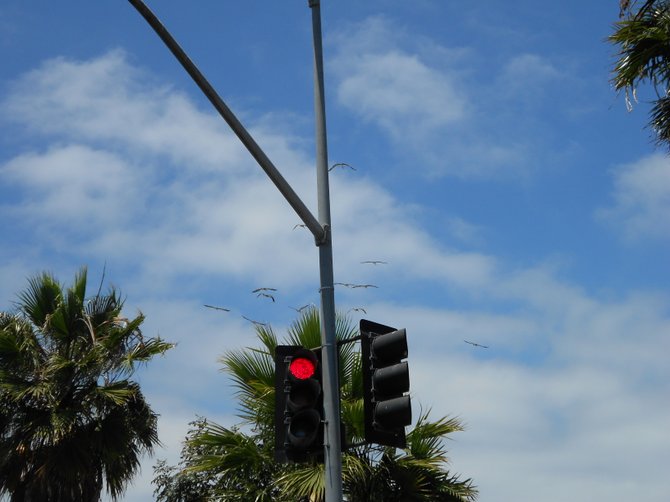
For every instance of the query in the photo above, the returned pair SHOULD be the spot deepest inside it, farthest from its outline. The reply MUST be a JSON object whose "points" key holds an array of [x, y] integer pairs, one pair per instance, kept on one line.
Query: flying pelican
{"points": [[216, 308], [300, 309], [354, 286], [341, 164], [477, 344], [256, 323], [262, 292]]}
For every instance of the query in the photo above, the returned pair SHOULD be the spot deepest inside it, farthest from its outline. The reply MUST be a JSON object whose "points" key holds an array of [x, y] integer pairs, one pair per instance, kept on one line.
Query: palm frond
{"points": [[118, 393], [267, 337], [145, 351], [252, 372], [40, 299], [306, 329], [229, 449], [426, 439], [643, 40], [353, 418], [306, 483], [660, 120]]}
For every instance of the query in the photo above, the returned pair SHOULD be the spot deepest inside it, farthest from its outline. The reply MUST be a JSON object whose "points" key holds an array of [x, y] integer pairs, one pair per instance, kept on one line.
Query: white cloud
{"points": [[525, 71], [75, 185], [173, 217], [401, 93], [398, 90], [590, 413], [365, 216], [641, 199], [435, 115], [162, 182], [106, 99]]}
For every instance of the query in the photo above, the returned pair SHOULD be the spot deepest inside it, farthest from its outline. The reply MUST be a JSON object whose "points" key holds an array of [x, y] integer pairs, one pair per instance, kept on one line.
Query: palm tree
{"points": [[643, 39], [71, 420], [239, 464]]}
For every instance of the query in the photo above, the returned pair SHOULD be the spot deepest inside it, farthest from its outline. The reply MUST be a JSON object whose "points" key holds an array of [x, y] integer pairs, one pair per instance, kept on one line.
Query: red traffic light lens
{"points": [[302, 368]]}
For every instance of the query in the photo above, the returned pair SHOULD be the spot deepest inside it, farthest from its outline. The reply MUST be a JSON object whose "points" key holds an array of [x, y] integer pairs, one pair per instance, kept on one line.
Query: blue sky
{"points": [[517, 202]]}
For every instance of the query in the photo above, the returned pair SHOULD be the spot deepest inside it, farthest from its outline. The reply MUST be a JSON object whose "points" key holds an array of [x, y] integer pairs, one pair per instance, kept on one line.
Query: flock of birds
{"points": [[270, 293]]}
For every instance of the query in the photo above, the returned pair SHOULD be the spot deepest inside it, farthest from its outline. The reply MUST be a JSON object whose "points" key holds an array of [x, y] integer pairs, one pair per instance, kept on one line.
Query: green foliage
{"points": [[71, 421], [219, 463], [643, 39]]}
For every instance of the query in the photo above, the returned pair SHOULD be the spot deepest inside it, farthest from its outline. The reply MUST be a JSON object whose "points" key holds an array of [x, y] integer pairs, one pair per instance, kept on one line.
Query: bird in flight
{"points": [[216, 308], [255, 323], [343, 165], [263, 289], [374, 262], [358, 309], [299, 225], [262, 292], [476, 344], [300, 309], [354, 286]]}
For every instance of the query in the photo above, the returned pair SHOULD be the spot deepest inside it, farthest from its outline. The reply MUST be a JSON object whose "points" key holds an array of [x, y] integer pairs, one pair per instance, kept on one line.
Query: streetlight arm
{"points": [[319, 232]]}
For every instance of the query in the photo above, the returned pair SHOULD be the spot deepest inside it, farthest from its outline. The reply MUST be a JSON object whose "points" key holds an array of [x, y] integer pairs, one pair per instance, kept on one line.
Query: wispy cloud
{"points": [[401, 93], [108, 100], [641, 199], [586, 393], [75, 185], [436, 109]]}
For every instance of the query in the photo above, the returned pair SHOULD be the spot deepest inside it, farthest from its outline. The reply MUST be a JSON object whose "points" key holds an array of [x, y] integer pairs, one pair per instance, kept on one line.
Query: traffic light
{"points": [[385, 381], [298, 404]]}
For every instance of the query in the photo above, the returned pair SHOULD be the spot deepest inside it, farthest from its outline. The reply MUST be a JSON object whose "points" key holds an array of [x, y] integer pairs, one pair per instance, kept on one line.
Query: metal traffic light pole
{"points": [[331, 387], [320, 228]]}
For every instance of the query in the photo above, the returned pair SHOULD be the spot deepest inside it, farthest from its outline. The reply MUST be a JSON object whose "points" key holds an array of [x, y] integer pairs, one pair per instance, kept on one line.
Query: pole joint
{"points": [[324, 238]]}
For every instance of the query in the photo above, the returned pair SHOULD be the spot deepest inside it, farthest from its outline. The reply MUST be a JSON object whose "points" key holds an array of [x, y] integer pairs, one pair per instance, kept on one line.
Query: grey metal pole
{"points": [[331, 386]]}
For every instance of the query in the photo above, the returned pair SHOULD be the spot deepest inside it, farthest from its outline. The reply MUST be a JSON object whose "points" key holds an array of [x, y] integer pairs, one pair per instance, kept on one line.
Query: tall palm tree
{"points": [[71, 420], [239, 464], [643, 39]]}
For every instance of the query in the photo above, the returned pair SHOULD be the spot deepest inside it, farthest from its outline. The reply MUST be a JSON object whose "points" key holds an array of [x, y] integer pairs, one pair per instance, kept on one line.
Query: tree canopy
{"points": [[72, 422]]}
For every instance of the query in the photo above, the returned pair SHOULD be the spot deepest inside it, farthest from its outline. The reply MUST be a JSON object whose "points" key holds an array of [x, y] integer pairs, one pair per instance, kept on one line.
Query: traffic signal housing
{"points": [[298, 404], [385, 382]]}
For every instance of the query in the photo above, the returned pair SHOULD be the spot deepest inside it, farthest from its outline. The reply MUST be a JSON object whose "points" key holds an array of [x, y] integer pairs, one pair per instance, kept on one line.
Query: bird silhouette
{"points": [[358, 309], [255, 323], [477, 344], [263, 289], [300, 309], [299, 225], [354, 286], [262, 292], [374, 262], [216, 308], [266, 295], [342, 165]]}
